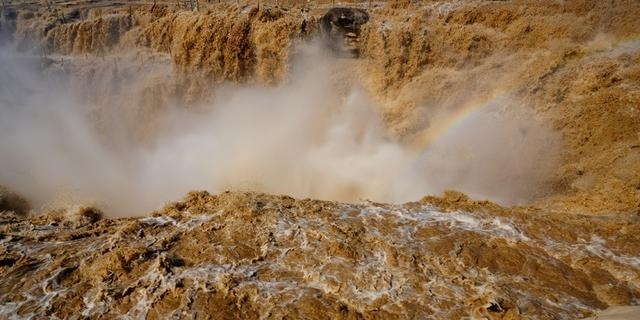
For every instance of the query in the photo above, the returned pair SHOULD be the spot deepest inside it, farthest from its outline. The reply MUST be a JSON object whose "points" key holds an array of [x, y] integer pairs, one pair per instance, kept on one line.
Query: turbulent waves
{"points": [[257, 256], [122, 109]]}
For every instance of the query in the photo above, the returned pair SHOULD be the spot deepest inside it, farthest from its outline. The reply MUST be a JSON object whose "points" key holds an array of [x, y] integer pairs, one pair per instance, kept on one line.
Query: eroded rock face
{"points": [[245, 255], [7, 23], [341, 28], [11, 202]]}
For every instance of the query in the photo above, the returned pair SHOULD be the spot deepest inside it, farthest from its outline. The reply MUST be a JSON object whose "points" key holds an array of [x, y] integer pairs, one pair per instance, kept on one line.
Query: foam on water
{"points": [[312, 253]]}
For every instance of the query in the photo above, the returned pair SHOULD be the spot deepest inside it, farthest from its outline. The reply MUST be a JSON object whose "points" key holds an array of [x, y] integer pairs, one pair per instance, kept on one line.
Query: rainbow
{"points": [[442, 125]]}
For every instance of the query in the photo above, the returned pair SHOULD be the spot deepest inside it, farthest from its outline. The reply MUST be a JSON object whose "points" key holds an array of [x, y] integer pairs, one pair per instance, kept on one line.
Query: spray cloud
{"points": [[301, 138]]}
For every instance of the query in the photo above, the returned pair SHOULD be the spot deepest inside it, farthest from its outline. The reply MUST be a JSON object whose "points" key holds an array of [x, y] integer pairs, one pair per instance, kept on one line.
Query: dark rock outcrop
{"points": [[341, 29]]}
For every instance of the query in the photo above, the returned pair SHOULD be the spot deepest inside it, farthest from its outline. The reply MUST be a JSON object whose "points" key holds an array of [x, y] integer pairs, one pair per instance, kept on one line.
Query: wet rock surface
{"points": [[341, 29], [12, 203]]}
